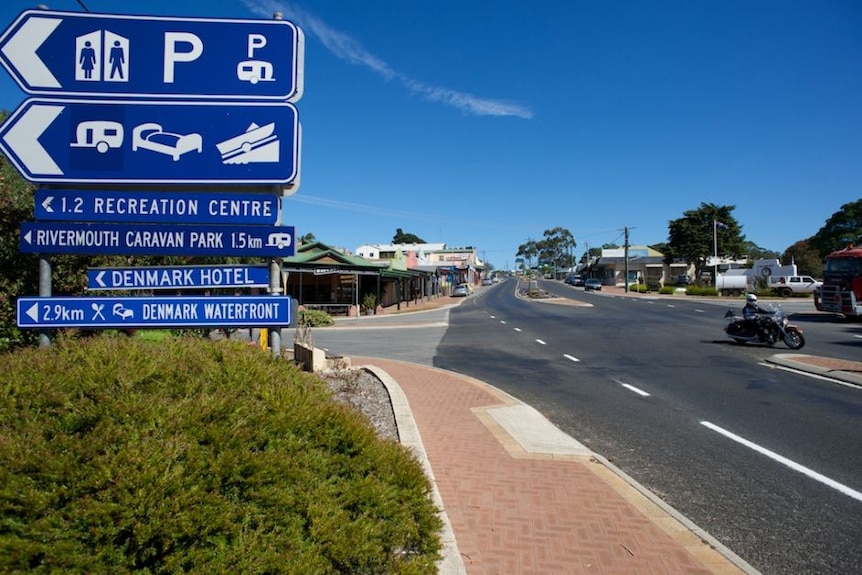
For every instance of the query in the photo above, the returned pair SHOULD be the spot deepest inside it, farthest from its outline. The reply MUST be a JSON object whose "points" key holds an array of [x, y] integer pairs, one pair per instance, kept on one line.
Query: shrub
{"points": [[667, 290], [315, 318], [197, 457], [700, 290], [369, 302]]}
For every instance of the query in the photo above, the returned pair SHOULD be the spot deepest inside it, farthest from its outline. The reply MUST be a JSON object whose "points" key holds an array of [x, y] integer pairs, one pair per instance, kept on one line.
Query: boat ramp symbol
{"points": [[257, 144]]}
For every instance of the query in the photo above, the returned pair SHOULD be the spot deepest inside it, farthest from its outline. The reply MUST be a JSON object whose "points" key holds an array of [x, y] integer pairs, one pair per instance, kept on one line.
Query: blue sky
{"points": [[483, 123]]}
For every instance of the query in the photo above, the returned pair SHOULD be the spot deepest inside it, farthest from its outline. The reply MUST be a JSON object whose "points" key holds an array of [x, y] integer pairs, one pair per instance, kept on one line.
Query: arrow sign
{"points": [[86, 54], [156, 240], [178, 277], [157, 207], [151, 312], [113, 142]]}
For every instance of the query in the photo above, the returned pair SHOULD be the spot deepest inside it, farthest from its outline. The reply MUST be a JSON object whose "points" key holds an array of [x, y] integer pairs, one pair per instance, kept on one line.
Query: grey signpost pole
{"points": [[44, 291]]}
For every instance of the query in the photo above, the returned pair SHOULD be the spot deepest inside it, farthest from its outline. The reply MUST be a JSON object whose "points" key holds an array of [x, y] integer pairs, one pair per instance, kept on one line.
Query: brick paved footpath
{"points": [[514, 512]]}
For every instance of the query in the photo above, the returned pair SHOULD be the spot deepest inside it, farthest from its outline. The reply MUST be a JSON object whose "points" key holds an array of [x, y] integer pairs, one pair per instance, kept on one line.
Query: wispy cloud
{"points": [[350, 50]]}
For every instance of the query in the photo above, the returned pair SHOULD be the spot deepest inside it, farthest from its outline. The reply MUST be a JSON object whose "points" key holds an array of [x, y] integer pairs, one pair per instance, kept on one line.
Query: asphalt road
{"points": [[765, 460]]}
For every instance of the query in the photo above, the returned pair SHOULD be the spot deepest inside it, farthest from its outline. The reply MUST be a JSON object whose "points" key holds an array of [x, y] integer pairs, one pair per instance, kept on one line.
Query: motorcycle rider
{"points": [[753, 313]]}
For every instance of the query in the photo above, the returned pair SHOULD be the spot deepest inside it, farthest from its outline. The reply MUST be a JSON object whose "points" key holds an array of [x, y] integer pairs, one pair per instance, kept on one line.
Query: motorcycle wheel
{"points": [[793, 339]]}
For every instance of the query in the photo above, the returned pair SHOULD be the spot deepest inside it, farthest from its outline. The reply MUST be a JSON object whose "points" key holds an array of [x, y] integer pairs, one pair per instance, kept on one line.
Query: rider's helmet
{"points": [[751, 298]]}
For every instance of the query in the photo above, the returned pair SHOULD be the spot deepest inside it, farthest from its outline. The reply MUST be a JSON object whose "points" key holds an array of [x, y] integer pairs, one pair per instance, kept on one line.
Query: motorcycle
{"points": [[766, 329]]}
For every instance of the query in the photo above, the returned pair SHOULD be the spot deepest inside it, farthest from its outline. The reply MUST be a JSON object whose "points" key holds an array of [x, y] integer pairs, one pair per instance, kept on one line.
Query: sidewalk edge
{"points": [[451, 562]]}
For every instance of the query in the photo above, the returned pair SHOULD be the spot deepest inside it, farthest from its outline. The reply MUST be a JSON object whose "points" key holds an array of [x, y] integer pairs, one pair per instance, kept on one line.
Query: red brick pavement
{"points": [[515, 513]]}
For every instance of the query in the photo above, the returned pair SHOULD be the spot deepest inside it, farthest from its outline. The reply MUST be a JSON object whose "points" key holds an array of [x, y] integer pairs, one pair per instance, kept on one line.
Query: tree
{"points": [[755, 252], [306, 239], [406, 238], [843, 228], [694, 237], [528, 250], [555, 248], [807, 260]]}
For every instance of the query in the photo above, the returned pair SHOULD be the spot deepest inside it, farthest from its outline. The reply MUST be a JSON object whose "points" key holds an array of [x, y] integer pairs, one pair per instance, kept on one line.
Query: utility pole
{"points": [[626, 256]]}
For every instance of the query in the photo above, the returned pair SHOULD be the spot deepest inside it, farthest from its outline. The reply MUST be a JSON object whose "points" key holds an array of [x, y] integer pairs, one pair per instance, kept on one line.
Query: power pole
{"points": [[626, 256]]}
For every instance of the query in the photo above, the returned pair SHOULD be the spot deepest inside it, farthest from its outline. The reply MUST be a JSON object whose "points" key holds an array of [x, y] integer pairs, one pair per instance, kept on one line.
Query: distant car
{"points": [[461, 290], [487, 282], [592, 284]]}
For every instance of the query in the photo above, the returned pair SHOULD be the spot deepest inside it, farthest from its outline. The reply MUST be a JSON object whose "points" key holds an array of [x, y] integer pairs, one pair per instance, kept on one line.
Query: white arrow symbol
{"points": [[33, 312], [21, 48], [99, 277], [23, 139], [27, 237], [47, 204]]}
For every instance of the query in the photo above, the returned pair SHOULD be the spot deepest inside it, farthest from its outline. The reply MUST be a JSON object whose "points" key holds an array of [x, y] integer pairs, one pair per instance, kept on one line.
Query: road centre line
{"points": [[518, 329], [784, 461], [630, 387], [540, 342], [567, 356]]}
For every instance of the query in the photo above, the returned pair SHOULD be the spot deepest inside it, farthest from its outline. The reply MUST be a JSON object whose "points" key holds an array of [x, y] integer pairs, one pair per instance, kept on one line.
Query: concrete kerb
{"points": [[824, 367], [451, 563]]}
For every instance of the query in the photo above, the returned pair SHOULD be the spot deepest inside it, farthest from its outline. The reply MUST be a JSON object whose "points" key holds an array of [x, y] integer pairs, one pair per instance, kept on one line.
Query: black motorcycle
{"points": [[766, 329]]}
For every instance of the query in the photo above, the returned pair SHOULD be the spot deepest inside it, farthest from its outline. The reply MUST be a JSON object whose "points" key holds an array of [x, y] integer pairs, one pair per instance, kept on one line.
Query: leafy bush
{"points": [[315, 318], [667, 290], [700, 290], [119, 455]]}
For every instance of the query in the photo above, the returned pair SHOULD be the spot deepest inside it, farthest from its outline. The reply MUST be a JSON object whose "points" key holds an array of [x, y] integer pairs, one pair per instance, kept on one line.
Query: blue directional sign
{"points": [[85, 54], [177, 277], [156, 240], [157, 207], [115, 142], [152, 312]]}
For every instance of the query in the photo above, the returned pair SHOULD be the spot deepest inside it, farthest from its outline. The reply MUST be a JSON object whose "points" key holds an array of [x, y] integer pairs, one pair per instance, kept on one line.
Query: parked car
{"points": [[574, 279], [487, 282], [592, 284], [461, 290]]}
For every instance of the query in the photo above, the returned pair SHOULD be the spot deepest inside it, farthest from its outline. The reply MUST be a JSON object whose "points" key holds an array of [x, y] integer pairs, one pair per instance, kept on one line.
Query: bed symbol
{"points": [[150, 136], [99, 134], [257, 144]]}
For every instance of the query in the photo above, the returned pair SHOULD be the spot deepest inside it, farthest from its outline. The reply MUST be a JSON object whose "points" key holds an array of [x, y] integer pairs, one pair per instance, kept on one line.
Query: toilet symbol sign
{"points": [[102, 56], [52, 53]]}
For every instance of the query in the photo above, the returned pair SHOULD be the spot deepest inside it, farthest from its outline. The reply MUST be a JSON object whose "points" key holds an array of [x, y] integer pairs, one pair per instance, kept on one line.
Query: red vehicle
{"points": [[841, 291]]}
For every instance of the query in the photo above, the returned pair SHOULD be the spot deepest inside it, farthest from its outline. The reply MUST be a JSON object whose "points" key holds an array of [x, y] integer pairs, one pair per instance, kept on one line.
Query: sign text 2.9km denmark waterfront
{"points": [[143, 312], [156, 240]]}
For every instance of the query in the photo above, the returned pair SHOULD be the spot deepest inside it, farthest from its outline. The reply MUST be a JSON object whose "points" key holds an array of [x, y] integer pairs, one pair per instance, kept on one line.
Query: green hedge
{"points": [[118, 455]]}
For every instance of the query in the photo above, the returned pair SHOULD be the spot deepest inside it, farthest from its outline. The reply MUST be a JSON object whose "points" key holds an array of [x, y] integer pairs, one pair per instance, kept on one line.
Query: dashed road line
{"points": [[570, 357], [539, 341]]}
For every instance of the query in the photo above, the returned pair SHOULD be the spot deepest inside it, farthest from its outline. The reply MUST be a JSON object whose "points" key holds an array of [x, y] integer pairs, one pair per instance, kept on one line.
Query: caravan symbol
{"points": [[254, 71], [99, 134]]}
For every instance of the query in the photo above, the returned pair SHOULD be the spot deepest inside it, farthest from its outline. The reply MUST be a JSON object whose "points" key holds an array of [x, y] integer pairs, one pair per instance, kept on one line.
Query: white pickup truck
{"points": [[786, 286]]}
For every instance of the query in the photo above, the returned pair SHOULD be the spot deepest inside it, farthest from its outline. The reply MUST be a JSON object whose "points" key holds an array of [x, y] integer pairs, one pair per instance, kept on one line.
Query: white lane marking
{"points": [[503, 321], [567, 356], [541, 342], [493, 317], [517, 329], [784, 461], [670, 305], [640, 392], [858, 336], [700, 311]]}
